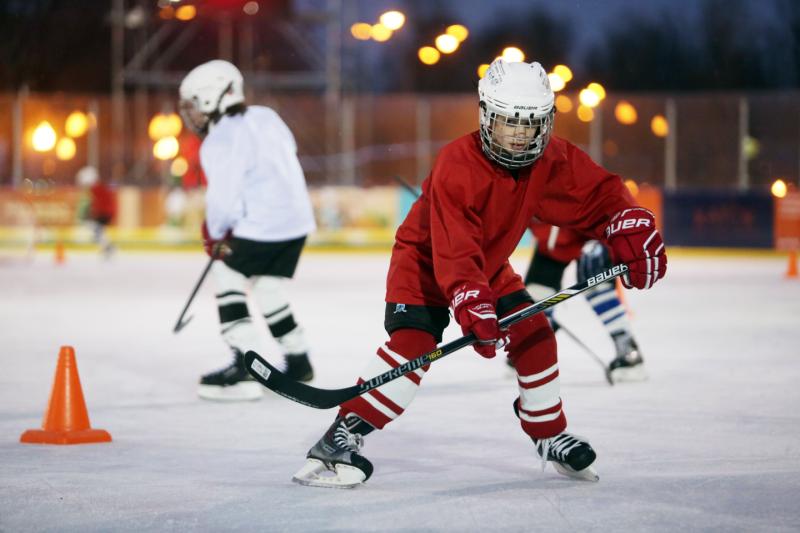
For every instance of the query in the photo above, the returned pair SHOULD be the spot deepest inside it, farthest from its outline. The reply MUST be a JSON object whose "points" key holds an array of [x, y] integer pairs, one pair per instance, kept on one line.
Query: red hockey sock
{"points": [[382, 405]]}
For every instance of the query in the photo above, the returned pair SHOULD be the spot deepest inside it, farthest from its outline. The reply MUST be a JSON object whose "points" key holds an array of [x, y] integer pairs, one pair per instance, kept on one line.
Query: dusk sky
{"points": [[592, 18], [691, 44], [765, 30]]}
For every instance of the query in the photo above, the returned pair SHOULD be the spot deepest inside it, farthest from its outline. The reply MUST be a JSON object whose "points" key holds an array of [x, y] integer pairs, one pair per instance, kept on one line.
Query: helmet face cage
{"points": [[514, 142]]}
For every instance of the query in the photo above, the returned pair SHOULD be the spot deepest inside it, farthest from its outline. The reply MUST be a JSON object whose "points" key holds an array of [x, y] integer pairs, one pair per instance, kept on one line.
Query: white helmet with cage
{"points": [[516, 112], [208, 91]]}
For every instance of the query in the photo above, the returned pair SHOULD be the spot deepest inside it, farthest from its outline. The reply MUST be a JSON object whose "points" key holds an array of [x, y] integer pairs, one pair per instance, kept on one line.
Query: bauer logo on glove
{"points": [[633, 239], [474, 309], [626, 224]]}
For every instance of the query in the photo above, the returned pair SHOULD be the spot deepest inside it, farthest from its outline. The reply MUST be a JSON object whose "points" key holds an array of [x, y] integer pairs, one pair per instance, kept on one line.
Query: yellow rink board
{"points": [[15, 240]]}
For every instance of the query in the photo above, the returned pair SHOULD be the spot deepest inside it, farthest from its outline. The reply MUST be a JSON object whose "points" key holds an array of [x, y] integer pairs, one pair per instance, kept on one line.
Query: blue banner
{"points": [[718, 218]]}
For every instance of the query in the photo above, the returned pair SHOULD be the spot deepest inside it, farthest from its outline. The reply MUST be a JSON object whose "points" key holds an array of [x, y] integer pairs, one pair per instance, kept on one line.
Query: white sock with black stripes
{"points": [[236, 326], [268, 293]]}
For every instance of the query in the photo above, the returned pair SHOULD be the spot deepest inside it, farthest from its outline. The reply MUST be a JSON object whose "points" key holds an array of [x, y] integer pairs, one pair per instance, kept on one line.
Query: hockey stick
{"points": [[180, 324], [407, 186], [589, 351], [275, 380]]}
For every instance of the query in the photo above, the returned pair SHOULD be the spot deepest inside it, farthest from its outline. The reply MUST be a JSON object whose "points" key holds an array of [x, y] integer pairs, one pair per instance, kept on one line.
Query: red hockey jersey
{"points": [[473, 213], [103, 202]]}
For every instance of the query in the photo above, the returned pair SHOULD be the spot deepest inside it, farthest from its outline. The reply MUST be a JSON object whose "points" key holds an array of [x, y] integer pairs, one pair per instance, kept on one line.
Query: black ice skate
{"points": [[334, 461], [298, 367], [628, 364], [230, 384], [571, 455]]}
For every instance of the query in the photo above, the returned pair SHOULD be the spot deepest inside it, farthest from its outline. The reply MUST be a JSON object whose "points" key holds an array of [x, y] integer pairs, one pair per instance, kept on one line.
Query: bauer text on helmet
{"points": [[516, 112], [207, 92]]}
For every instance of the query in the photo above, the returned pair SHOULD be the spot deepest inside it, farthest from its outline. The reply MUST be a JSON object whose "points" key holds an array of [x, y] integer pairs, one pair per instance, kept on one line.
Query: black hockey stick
{"points": [[180, 324], [558, 325], [275, 380], [407, 186]]}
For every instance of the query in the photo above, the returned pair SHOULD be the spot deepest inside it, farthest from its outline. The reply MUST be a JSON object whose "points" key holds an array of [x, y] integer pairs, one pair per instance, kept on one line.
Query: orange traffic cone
{"points": [[791, 271], [60, 256], [66, 420]]}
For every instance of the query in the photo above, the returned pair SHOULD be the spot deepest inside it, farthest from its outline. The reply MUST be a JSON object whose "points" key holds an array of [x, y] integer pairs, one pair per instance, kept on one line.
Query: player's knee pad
{"points": [[382, 405], [593, 260]]}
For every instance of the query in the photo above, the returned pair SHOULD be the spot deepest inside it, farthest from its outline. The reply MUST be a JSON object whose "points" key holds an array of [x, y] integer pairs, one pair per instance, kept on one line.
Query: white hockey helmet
{"points": [[207, 92], [87, 176], [516, 112]]}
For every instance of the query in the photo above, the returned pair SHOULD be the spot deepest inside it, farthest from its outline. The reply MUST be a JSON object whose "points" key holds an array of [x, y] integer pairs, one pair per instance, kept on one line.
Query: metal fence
{"points": [[720, 140]]}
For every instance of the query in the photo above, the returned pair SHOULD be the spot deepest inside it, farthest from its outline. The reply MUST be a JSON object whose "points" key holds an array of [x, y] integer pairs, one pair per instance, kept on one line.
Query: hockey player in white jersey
{"points": [[258, 214]]}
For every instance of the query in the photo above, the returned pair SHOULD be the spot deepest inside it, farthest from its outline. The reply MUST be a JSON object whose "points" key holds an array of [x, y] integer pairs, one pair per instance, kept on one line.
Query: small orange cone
{"points": [[66, 420], [60, 256], [791, 271]]}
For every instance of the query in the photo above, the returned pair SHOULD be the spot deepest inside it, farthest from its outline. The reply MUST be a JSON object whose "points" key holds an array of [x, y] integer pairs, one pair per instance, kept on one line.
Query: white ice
{"points": [[710, 442]]}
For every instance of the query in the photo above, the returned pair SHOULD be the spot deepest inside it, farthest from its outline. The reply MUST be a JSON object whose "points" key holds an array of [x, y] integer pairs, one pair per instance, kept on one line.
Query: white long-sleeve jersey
{"points": [[256, 186]]}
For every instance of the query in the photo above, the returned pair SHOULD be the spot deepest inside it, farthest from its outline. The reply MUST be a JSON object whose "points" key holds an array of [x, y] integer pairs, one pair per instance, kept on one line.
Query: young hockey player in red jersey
{"points": [[556, 248], [100, 207], [453, 249]]}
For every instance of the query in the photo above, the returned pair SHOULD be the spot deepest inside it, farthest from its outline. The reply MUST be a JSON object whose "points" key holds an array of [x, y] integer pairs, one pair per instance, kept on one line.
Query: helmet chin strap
{"points": [[215, 116]]}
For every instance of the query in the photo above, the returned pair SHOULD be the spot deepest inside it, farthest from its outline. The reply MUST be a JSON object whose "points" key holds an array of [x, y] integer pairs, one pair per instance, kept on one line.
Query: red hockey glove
{"points": [[633, 239], [473, 307], [216, 248]]}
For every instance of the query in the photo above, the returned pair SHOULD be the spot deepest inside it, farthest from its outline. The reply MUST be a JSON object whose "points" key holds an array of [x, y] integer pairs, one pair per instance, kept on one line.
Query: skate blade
{"points": [[630, 374], [244, 391], [587, 474], [315, 474]]}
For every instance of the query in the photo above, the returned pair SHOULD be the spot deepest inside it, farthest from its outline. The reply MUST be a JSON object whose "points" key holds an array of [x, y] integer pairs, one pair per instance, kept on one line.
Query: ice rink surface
{"points": [[710, 443]]}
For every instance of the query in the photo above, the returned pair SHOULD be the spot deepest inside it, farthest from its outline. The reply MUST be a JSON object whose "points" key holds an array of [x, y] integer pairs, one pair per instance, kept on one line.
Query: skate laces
{"points": [[344, 438], [557, 448]]}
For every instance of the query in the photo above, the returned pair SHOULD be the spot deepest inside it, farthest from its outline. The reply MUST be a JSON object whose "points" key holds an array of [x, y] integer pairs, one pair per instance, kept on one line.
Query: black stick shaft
{"points": [[586, 349], [407, 186], [180, 324], [275, 380]]}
